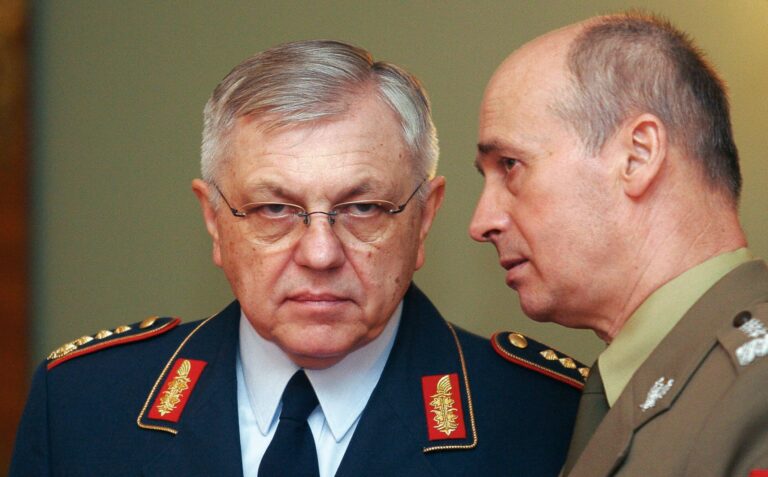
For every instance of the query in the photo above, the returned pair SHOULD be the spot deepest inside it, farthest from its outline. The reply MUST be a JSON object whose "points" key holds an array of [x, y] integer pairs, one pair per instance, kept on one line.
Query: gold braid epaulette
{"points": [[123, 334], [529, 353]]}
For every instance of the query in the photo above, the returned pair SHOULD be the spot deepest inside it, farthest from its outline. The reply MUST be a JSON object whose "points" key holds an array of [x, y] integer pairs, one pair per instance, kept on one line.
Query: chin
{"points": [[538, 317], [318, 358], [536, 311], [317, 352]]}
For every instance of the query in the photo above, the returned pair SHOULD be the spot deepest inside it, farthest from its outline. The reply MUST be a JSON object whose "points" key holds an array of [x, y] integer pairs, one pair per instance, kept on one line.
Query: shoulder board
{"points": [[539, 357], [747, 341], [152, 326]]}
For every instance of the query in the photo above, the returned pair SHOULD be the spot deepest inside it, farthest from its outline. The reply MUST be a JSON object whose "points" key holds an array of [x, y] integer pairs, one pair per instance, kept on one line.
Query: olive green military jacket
{"points": [[698, 406]]}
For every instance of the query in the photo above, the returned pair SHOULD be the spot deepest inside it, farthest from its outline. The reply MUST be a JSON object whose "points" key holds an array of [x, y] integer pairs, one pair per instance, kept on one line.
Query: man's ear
{"points": [[431, 206], [644, 145], [203, 193]]}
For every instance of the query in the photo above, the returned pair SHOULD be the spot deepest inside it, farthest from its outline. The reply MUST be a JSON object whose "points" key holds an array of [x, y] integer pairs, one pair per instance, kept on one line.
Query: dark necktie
{"points": [[593, 406], [292, 451]]}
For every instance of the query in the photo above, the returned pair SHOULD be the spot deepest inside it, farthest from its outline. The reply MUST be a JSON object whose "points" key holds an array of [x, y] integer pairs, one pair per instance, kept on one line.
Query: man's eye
{"points": [[508, 163], [273, 211], [361, 209]]}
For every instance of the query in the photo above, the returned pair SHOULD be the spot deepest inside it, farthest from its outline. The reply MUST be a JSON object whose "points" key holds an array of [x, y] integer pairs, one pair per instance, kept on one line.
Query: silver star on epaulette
{"points": [[753, 328], [657, 391], [757, 347]]}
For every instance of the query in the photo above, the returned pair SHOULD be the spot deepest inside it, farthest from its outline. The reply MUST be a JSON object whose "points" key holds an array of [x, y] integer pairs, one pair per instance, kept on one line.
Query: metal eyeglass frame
{"points": [[331, 214]]}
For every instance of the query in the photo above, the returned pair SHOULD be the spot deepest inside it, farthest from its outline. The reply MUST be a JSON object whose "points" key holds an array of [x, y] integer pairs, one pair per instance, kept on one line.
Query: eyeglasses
{"points": [[363, 220]]}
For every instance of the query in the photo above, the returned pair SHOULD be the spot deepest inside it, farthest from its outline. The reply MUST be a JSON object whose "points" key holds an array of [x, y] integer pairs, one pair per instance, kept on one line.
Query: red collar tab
{"points": [[178, 387], [443, 408], [529, 353], [759, 473]]}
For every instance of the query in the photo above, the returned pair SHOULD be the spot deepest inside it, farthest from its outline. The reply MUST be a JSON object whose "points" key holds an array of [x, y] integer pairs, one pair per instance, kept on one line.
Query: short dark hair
{"points": [[633, 63]]}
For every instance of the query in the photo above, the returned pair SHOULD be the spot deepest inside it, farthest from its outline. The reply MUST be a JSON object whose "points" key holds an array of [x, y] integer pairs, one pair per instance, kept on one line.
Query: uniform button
{"points": [[517, 340], [742, 318]]}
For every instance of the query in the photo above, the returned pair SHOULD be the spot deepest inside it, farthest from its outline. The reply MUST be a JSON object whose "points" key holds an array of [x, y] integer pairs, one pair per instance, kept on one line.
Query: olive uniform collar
{"points": [[663, 376]]}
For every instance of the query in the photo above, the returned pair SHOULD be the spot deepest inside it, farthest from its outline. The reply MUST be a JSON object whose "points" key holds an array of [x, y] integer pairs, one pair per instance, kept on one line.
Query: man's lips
{"points": [[317, 298], [513, 266], [510, 263]]}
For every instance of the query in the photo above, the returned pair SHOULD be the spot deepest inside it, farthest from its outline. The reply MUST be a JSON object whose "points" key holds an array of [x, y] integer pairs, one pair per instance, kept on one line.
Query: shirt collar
{"points": [[656, 316], [343, 389]]}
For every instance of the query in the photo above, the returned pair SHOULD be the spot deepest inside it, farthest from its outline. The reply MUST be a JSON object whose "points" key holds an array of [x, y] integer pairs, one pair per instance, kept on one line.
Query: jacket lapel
{"points": [[390, 439], [392, 435], [206, 439], [664, 375]]}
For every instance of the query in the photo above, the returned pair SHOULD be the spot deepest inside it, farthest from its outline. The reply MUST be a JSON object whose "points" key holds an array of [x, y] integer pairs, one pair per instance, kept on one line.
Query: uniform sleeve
{"points": [[31, 453]]}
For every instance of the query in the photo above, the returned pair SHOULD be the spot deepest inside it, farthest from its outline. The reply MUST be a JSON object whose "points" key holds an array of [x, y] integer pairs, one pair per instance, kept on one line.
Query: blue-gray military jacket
{"points": [[93, 406]]}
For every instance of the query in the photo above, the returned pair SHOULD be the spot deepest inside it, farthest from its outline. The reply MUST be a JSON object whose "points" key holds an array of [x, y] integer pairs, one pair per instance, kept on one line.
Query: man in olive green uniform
{"points": [[611, 188]]}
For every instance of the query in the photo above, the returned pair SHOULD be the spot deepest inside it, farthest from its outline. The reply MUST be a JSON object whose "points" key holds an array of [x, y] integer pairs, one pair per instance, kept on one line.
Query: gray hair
{"points": [[307, 81], [633, 63]]}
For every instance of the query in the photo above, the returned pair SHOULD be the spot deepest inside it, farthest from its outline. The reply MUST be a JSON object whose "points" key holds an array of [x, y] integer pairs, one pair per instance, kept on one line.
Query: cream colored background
{"points": [[118, 93]]}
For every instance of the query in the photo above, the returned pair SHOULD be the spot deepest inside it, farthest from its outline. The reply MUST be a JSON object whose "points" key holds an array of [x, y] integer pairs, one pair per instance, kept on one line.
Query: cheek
{"points": [[545, 227], [400, 260], [385, 268], [573, 236], [247, 265]]}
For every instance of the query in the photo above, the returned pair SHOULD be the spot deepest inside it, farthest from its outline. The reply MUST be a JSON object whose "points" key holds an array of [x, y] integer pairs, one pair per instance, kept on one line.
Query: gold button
{"points": [[568, 363], [103, 334], [122, 329], [584, 372], [518, 340], [549, 354], [148, 322], [82, 340]]}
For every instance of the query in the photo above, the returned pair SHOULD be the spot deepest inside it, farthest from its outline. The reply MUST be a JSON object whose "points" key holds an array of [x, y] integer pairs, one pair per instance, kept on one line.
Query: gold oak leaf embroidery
{"points": [[172, 396], [442, 407]]}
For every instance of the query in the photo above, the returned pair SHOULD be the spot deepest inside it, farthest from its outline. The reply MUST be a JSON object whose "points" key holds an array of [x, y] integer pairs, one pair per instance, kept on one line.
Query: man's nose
{"points": [[319, 247], [489, 217]]}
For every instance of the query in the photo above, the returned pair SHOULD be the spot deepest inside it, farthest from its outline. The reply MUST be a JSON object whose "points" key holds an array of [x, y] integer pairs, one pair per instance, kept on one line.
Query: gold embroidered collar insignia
{"points": [[442, 406]]}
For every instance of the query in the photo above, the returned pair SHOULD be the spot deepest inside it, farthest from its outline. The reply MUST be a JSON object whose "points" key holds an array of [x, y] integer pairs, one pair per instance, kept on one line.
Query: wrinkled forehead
{"points": [[363, 144], [363, 119]]}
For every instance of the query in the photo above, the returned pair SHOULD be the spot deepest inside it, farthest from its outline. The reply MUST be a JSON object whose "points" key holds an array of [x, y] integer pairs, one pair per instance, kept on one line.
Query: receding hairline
{"points": [[537, 68], [556, 41], [549, 51]]}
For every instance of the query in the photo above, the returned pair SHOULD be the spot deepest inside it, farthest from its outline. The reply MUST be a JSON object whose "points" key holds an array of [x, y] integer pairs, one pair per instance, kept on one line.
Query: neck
{"points": [[671, 242]]}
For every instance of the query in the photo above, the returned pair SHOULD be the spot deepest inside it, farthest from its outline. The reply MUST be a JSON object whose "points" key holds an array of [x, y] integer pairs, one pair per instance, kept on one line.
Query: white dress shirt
{"points": [[343, 390]]}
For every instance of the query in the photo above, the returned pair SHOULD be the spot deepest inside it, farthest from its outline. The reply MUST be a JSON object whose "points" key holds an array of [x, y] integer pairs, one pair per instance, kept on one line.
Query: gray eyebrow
{"points": [[267, 187], [279, 190]]}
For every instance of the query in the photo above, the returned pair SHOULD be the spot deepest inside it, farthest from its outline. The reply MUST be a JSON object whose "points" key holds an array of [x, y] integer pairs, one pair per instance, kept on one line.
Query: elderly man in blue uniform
{"points": [[318, 191], [611, 194]]}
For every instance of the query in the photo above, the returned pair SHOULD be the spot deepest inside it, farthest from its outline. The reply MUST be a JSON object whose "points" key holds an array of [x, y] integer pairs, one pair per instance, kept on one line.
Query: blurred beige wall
{"points": [[119, 89]]}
